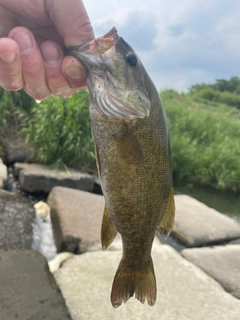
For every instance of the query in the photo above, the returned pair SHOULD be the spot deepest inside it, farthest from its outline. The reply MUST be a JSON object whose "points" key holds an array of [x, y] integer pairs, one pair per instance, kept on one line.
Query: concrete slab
{"points": [[197, 225], [185, 292], [221, 262]]}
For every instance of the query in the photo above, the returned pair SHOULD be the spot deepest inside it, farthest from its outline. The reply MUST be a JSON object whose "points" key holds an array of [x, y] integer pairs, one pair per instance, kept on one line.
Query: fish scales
{"points": [[134, 160]]}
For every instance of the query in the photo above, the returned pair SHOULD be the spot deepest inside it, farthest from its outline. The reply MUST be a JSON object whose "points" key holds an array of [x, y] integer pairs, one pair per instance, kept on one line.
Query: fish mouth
{"points": [[106, 42], [97, 46], [111, 101]]}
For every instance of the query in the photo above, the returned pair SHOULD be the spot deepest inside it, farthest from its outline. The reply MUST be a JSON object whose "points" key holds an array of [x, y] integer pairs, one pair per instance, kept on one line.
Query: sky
{"points": [[180, 42]]}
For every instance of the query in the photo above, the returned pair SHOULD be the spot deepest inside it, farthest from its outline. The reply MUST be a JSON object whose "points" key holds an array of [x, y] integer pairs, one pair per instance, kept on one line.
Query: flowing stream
{"points": [[225, 202]]}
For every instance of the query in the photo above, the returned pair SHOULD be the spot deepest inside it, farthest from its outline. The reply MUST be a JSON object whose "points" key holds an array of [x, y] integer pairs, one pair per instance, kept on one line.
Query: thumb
{"points": [[71, 21]]}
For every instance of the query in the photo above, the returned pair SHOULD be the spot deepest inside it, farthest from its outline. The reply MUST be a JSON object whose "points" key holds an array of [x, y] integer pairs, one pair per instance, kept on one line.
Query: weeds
{"points": [[60, 132], [205, 142]]}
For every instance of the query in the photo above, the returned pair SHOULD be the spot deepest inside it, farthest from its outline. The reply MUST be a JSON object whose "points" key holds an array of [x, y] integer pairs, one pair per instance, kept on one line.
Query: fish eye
{"points": [[131, 59]]}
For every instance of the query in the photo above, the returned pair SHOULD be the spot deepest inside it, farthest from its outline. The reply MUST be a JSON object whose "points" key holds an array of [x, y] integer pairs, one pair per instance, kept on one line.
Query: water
{"points": [[225, 202]]}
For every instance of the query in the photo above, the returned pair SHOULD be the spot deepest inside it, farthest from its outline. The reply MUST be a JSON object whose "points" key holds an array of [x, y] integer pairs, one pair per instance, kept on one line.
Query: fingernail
{"points": [[75, 73], [8, 57], [51, 55], [24, 41]]}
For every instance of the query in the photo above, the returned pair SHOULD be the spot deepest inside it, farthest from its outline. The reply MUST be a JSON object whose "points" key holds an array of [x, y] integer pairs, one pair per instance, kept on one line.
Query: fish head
{"points": [[115, 77]]}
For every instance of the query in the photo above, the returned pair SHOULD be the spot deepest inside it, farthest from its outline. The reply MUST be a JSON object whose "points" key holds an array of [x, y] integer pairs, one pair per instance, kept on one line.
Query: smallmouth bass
{"points": [[133, 157]]}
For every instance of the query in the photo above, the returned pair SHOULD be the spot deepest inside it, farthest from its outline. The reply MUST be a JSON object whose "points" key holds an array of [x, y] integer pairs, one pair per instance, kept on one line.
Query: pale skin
{"points": [[33, 37]]}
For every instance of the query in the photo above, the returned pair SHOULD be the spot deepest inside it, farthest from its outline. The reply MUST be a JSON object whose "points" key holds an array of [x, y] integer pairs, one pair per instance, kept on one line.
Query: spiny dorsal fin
{"points": [[108, 231], [167, 221]]}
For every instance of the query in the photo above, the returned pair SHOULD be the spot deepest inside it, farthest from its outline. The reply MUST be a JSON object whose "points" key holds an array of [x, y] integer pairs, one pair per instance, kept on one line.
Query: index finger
{"points": [[71, 20]]}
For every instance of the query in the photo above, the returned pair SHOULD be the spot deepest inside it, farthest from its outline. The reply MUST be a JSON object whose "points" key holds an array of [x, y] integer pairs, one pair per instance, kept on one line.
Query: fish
{"points": [[133, 156]]}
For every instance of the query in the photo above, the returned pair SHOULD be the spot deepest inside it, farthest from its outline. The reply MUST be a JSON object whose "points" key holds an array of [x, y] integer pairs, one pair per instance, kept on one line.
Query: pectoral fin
{"points": [[129, 147], [97, 160], [167, 221], [108, 231]]}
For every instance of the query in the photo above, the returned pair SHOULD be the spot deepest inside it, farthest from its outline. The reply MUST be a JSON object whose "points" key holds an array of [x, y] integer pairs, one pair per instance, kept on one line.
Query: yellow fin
{"points": [[128, 281], [167, 221], [108, 231], [98, 160]]}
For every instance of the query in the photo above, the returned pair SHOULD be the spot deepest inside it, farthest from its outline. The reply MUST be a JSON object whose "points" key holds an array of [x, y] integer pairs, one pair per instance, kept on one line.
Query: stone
{"points": [[16, 218], [19, 166], [15, 147], [43, 240], [184, 290], [34, 178], [42, 209], [18, 153], [221, 262], [3, 174], [236, 241], [55, 263], [197, 225], [28, 289], [76, 218]]}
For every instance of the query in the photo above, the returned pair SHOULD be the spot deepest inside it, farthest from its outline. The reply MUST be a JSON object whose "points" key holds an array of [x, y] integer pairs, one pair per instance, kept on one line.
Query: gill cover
{"points": [[115, 79]]}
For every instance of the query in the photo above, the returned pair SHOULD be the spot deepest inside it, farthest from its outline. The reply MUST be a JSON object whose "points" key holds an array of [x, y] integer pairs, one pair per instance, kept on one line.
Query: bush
{"points": [[205, 143], [231, 99], [60, 132], [14, 108]]}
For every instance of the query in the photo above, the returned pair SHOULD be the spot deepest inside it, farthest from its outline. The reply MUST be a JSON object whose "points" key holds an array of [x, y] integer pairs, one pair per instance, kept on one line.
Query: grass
{"points": [[204, 134], [60, 132], [205, 141]]}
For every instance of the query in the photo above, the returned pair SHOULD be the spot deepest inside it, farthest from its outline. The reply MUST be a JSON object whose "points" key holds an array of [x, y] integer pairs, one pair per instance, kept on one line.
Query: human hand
{"points": [[33, 37]]}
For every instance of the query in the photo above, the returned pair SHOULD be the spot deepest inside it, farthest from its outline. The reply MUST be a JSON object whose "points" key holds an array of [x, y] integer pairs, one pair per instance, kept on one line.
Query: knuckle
{"points": [[10, 87]]}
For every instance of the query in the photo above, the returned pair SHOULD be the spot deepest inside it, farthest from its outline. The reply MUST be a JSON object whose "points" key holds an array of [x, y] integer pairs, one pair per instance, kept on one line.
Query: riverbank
{"points": [[192, 284], [204, 141], [204, 136]]}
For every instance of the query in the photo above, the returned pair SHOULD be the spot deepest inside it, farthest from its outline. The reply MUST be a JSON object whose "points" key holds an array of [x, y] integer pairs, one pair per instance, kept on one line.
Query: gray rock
{"points": [[3, 174], [28, 290], [16, 218], [196, 224], [19, 166], [221, 262], [184, 291], [37, 178], [16, 148], [236, 241], [18, 153], [43, 240], [76, 218]]}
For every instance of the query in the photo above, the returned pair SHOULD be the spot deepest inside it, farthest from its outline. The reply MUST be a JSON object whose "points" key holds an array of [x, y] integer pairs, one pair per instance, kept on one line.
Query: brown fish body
{"points": [[134, 163]]}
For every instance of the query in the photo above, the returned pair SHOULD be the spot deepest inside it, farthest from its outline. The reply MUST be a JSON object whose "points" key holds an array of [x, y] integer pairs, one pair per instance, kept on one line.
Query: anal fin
{"points": [[108, 231], [167, 221]]}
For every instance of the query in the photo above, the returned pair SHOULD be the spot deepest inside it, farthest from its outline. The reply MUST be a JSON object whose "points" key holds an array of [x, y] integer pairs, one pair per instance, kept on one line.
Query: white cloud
{"points": [[179, 42]]}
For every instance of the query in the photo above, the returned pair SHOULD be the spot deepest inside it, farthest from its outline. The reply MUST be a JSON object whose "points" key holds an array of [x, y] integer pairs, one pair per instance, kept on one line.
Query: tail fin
{"points": [[128, 281]]}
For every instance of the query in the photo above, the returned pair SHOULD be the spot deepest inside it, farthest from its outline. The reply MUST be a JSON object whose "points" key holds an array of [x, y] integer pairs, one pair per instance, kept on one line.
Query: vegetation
{"points": [[222, 91], [204, 139], [204, 126], [60, 131]]}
